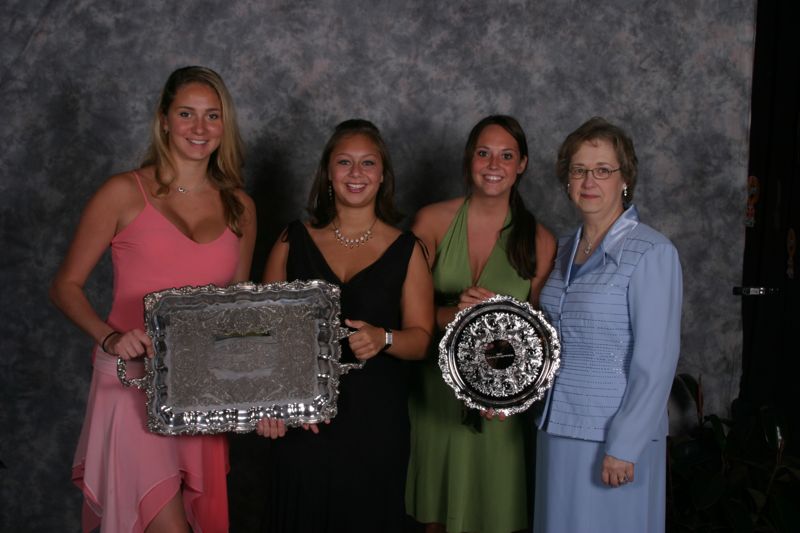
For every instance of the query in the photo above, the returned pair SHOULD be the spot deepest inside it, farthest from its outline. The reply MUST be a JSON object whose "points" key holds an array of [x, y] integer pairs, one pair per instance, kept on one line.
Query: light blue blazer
{"points": [[619, 323]]}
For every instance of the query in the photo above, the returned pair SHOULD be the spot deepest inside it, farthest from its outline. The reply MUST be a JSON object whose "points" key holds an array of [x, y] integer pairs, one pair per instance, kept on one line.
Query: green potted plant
{"points": [[730, 474]]}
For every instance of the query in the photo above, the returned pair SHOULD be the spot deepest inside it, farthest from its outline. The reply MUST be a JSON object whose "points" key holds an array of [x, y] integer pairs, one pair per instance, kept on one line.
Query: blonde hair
{"points": [[225, 164]]}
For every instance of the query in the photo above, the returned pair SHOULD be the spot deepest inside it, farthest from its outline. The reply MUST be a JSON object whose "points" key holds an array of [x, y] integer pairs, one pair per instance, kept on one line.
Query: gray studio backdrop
{"points": [[81, 77]]}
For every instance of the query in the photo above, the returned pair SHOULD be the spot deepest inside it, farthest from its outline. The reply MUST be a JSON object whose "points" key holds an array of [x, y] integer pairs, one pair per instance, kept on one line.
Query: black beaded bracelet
{"points": [[103, 344]]}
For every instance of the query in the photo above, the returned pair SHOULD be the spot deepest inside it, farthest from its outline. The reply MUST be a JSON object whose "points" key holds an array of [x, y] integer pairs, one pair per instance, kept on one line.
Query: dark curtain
{"points": [[771, 321]]}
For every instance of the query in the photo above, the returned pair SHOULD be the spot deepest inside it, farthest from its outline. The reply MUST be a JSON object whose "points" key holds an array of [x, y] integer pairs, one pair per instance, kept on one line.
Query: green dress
{"points": [[467, 479]]}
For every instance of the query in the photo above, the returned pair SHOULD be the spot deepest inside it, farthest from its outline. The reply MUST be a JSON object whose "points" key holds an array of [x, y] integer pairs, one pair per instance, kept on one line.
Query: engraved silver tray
{"points": [[227, 357], [500, 354]]}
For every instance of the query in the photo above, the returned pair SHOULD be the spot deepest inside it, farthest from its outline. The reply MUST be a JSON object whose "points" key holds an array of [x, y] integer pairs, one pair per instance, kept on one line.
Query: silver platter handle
{"points": [[347, 367], [122, 374]]}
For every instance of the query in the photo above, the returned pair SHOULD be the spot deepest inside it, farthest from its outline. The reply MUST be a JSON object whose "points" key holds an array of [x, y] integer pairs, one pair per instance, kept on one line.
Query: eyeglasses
{"points": [[599, 173]]}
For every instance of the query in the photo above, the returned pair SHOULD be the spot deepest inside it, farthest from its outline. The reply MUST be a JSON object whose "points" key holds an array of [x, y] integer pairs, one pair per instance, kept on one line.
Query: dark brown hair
{"points": [[321, 206], [521, 244]]}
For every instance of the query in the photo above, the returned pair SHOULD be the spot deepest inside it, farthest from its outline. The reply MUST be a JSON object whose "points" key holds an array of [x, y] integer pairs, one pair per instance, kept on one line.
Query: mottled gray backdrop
{"points": [[81, 77]]}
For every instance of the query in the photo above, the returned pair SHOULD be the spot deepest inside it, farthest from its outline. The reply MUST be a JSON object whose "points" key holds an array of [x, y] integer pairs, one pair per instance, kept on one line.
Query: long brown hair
{"points": [[225, 164], [521, 244], [321, 206]]}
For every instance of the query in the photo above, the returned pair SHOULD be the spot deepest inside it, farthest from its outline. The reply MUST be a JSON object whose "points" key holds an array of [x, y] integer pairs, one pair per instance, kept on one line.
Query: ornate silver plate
{"points": [[500, 354], [227, 357]]}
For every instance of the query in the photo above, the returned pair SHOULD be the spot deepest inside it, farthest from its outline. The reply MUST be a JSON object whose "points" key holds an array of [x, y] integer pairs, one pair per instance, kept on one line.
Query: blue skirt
{"points": [[571, 498]]}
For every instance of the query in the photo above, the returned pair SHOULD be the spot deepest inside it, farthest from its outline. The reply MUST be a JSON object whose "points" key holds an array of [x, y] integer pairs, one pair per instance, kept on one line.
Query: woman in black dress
{"points": [[349, 475]]}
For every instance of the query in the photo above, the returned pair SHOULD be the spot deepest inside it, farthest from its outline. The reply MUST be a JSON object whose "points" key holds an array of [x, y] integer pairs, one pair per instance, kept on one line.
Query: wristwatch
{"points": [[387, 338]]}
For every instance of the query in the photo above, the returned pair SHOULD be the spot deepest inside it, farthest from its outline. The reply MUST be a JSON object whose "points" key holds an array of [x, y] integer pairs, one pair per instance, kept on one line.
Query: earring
{"points": [[625, 191], [567, 187], [330, 192]]}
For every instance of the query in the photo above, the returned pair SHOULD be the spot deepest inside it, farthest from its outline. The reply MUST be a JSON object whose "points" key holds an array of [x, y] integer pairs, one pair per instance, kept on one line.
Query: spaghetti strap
{"points": [[141, 187]]}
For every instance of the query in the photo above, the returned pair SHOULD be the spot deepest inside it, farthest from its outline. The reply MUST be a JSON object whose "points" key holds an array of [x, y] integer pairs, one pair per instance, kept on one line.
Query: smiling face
{"points": [[593, 197], [355, 169], [496, 162], [193, 123]]}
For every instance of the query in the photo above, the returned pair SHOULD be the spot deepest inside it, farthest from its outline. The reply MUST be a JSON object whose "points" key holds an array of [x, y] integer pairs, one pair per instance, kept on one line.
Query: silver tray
{"points": [[500, 354], [227, 357]]}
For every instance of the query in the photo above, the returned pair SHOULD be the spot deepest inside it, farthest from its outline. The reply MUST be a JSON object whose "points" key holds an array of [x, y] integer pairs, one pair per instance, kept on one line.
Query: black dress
{"points": [[351, 476]]}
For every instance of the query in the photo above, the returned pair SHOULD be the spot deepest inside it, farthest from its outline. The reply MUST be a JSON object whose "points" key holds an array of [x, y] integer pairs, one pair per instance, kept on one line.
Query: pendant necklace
{"points": [[186, 190], [588, 247], [589, 244], [354, 242]]}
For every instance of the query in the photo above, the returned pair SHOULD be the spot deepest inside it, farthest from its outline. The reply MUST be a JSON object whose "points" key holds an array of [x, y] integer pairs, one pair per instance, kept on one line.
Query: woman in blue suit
{"points": [[615, 297]]}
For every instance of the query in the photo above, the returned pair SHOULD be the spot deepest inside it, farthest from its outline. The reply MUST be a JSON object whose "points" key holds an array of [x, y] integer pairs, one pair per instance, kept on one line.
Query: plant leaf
{"points": [[708, 491], [758, 497], [719, 431], [783, 511], [691, 385], [738, 517], [771, 428]]}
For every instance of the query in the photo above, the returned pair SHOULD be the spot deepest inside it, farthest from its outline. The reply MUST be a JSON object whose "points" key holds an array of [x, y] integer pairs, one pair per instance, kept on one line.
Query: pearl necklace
{"points": [[354, 242]]}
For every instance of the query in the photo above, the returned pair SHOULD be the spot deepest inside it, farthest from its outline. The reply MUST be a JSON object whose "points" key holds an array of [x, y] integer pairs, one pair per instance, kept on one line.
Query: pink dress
{"points": [[126, 473]]}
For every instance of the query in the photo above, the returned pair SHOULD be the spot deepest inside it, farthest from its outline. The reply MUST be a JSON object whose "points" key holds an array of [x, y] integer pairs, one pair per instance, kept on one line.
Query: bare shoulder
{"points": [[115, 203], [544, 236], [315, 233], [545, 260], [546, 244], [121, 185], [249, 205], [246, 200], [120, 193], [436, 218], [275, 267]]}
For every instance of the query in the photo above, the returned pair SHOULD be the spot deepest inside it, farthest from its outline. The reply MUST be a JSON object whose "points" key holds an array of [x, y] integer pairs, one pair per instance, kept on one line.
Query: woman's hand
{"points": [[129, 345], [274, 428], [314, 428], [472, 296], [271, 428], [367, 341], [616, 472], [489, 414]]}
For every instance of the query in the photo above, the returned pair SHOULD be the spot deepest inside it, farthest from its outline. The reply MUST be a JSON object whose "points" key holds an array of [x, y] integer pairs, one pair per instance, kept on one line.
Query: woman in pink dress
{"points": [[180, 219]]}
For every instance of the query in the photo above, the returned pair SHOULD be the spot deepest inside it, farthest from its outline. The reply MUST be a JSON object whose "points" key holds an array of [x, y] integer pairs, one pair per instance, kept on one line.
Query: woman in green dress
{"points": [[468, 473]]}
